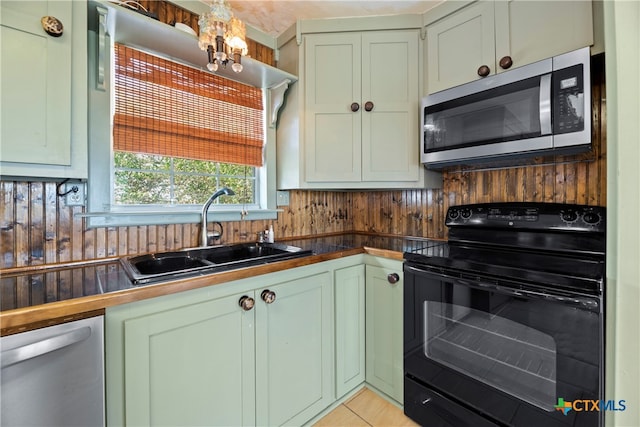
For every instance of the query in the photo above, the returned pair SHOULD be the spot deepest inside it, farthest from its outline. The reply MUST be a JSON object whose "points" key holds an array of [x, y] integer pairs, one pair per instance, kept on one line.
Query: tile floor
{"points": [[364, 409]]}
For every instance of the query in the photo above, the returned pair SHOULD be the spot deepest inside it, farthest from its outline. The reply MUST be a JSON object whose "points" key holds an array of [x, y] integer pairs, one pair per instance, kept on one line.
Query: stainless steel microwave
{"points": [[538, 109]]}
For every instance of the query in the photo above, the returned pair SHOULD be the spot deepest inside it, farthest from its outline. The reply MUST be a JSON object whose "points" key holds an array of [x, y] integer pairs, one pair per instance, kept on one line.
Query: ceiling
{"points": [[273, 17]]}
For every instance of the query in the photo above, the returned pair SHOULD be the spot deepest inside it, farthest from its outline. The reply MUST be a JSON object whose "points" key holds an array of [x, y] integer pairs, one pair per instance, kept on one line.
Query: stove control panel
{"points": [[528, 216]]}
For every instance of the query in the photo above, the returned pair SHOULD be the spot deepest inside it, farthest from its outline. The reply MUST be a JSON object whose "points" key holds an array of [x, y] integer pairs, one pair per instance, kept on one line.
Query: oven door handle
{"points": [[590, 304]]}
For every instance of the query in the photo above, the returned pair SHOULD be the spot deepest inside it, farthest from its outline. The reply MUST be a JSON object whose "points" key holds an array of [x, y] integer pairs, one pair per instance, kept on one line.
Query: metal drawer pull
{"points": [[393, 278], [29, 351]]}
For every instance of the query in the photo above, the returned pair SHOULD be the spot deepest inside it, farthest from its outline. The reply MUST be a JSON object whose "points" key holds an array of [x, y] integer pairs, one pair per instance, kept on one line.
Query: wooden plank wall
{"points": [[37, 228], [170, 14]]}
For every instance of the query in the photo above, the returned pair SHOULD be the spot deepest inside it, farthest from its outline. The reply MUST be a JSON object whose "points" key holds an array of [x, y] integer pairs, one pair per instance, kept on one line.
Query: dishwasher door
{"points": [[54, 376]]}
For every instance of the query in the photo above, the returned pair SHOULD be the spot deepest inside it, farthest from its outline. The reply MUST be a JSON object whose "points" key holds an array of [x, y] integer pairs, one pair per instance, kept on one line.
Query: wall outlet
{"points": [[282, 198], [75, 193]]}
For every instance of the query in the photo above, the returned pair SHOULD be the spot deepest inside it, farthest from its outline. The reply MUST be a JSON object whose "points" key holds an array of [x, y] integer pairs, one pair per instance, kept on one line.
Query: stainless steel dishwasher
{"points": [[54, 376]]}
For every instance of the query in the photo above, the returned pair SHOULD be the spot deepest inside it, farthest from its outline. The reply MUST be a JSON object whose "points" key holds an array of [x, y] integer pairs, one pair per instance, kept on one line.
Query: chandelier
{"points": [[222, 35]]}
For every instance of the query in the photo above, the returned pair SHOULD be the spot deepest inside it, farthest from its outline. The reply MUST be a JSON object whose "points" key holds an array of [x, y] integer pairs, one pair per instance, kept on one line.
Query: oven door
{"points": [[498, 351]]}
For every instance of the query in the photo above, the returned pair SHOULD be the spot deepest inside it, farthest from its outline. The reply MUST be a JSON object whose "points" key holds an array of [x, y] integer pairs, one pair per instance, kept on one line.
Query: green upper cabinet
{"points": [[494, 33], [361, 114], [458, 44], [333, 132], [351, 122], [384, 351], [44, 78]]}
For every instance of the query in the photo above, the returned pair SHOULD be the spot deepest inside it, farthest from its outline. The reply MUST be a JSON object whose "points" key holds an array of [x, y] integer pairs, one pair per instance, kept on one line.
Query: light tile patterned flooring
{"points": [[364, 409]]}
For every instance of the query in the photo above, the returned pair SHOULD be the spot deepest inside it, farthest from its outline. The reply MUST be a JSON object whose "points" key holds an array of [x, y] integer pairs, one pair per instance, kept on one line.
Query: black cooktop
{"points": [[553, 246]]}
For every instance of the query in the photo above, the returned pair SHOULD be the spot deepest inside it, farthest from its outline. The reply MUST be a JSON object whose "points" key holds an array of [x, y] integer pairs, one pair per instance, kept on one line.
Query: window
{"points": [[179, 132], [143, 179], [156, 162]]}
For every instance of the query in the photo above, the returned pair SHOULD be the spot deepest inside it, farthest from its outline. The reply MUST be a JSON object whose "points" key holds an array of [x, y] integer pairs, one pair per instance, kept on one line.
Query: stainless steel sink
{"points": [[163, 266]]}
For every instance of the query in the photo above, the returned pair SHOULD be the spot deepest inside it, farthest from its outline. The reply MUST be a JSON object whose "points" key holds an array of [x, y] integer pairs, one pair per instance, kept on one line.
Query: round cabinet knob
{"points": [[246, 303], [393, 278], [368, 106], [484, 71], [355, 107], [268, 296], [52, 26], [506, 62]]}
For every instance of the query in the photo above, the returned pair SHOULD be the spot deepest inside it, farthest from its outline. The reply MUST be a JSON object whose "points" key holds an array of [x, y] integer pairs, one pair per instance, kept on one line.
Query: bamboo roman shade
{"points": [[169, 109]]}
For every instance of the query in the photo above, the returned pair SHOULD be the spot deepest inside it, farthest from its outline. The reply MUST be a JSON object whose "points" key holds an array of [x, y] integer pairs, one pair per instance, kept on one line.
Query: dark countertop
{"points": [[41, 296]]}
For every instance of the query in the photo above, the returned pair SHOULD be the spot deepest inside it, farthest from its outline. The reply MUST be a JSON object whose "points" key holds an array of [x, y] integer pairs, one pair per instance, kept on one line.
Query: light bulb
{"points": [[212, 66], [221, 56], [236, 67]]}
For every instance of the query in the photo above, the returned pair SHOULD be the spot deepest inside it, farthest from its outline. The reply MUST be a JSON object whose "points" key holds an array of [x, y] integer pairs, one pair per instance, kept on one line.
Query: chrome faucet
{"points": [[204, 235]]}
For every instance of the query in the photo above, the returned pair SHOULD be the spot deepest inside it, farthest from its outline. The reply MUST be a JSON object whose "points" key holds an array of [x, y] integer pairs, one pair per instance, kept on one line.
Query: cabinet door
{"points": [[529, 31], [294, 348], [390, 149], [350, 329], [192, 365], [384, 331], [459, 44], [36, 83], [332, 131]]}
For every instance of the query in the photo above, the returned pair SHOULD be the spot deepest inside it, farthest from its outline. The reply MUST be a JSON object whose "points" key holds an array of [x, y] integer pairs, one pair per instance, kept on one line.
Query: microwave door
{"points": [[499, 121]]}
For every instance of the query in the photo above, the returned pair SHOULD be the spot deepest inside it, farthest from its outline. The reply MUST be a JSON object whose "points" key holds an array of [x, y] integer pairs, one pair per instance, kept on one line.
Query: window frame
{"points": [[101, 213]]}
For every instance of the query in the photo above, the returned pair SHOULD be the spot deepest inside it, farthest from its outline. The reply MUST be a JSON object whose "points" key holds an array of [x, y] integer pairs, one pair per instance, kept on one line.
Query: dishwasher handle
{"points": [[48, 345]]}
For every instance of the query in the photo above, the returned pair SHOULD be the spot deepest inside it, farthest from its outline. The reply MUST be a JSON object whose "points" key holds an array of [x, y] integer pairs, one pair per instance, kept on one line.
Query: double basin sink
{"points": [[163, 266]]}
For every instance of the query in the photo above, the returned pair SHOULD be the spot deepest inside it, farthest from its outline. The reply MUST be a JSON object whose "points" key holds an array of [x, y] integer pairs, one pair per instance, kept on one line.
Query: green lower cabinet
{"points": [[350, 328], [384, 352], [193, 365], [199, 358], [312, 335], [294, 351]]}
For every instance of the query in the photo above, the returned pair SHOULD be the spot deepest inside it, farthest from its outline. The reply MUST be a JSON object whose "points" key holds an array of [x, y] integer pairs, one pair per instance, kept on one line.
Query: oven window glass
{"points": [[506, 113], [505, 354]]}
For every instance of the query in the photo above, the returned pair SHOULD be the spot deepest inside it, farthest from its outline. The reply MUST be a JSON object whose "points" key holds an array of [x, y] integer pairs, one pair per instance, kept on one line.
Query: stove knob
{"points": [[454, 213], [591, 218], [466, 213], [569, 216]]}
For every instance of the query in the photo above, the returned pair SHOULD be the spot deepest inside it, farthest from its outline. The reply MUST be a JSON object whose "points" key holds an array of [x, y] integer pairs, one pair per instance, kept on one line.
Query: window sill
{"points": [[125, 219]]}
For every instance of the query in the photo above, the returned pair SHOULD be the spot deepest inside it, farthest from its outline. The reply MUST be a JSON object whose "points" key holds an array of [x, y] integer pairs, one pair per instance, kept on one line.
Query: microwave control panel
{"points": [[568, 100]]}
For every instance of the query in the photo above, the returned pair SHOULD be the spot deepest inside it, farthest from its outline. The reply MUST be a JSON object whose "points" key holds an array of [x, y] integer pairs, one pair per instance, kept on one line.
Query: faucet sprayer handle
{"points": [[218, 234], [215, 235]]}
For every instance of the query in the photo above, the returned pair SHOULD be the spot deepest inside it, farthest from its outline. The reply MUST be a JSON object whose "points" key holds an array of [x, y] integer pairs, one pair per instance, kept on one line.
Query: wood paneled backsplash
{"points": [[37, 228]]}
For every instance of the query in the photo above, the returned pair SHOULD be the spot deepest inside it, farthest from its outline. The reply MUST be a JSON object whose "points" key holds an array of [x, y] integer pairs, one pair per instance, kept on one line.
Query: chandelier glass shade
{"points": [[223, 36]]}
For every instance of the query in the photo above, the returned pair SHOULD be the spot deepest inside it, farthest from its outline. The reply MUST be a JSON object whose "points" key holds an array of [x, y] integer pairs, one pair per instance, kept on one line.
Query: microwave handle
{"points": [[545, 104]]}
